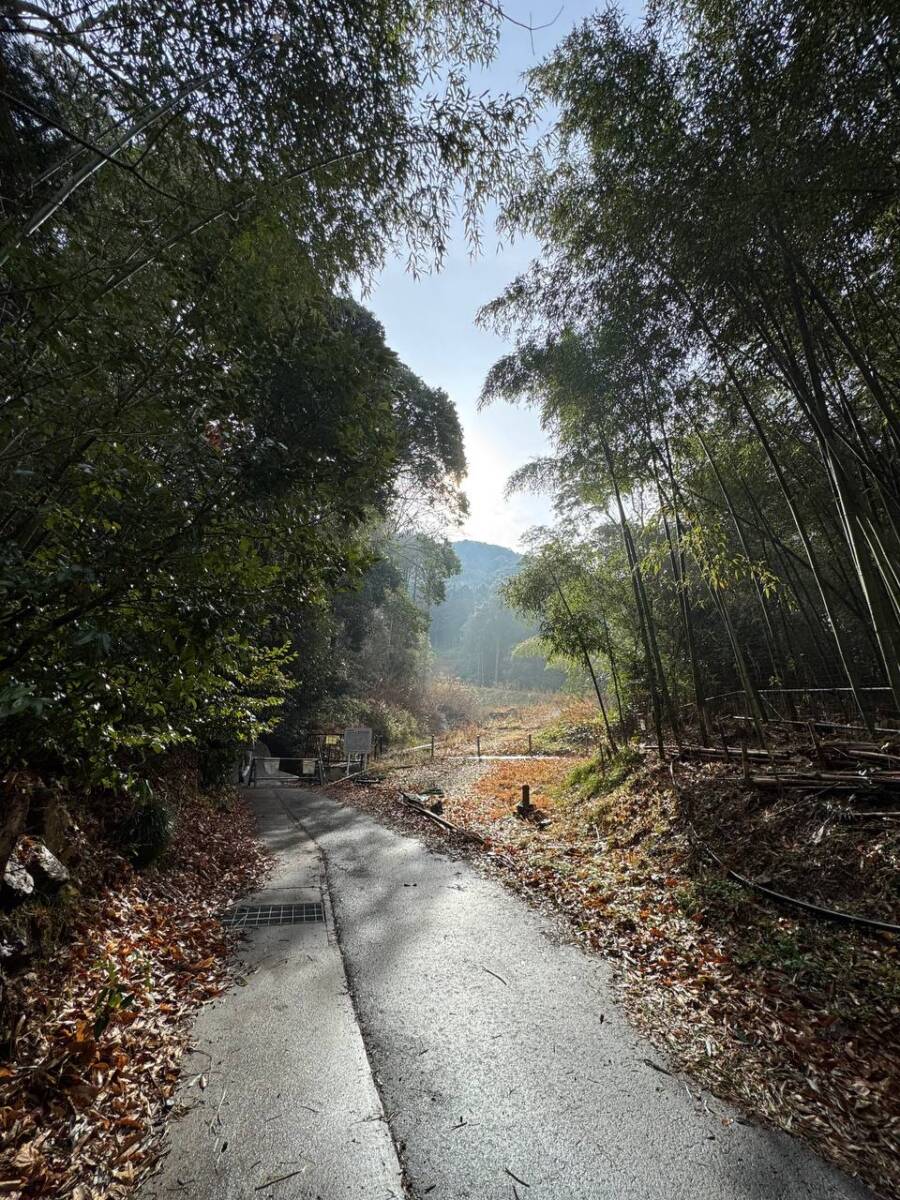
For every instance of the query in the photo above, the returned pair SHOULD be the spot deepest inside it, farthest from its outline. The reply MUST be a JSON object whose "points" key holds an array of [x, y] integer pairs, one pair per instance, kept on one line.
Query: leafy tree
{"points": [[197, 433], [556, 585], [369, 647]]}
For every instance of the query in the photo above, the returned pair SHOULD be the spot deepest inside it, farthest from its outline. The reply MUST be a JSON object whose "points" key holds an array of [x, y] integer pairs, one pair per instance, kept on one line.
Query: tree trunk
{"points": [[588, 664], [610, 654], [659, 691], [679, 568], [16, 801]]}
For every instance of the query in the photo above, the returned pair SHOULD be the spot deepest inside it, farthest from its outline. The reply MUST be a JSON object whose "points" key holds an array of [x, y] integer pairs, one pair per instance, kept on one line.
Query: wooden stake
{"points": [[745, 762], [525, 807], [725, 743], [817, 745]]}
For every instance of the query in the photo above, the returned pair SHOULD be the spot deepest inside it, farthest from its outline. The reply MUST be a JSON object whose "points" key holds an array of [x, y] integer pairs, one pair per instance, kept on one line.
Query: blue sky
{"points": [[430, 321]]}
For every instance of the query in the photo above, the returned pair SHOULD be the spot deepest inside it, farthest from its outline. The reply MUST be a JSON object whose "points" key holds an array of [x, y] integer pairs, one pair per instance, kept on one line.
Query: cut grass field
{"points": [[503, 720]]}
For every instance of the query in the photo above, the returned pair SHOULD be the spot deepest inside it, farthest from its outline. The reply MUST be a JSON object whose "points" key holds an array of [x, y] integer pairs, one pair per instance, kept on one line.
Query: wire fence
{"points": [[486, 744]]}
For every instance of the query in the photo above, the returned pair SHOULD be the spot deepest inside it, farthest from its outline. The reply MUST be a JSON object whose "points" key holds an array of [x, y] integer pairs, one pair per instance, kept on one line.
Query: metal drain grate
{"points": [[273, 914]]}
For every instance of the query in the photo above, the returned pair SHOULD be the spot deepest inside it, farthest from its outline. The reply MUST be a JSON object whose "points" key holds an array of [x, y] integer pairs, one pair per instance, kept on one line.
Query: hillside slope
{"points": [[474, 633], [483, 568], [483, 564]]}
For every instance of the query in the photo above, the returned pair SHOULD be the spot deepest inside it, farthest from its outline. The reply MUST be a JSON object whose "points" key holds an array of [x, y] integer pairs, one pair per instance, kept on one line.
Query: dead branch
{"points": [[413, 802]]}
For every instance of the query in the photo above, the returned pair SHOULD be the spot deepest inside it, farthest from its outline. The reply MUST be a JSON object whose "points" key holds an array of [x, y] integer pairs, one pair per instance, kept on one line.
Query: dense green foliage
{"points": [[200, 438], [365, 657], [710, 336]]}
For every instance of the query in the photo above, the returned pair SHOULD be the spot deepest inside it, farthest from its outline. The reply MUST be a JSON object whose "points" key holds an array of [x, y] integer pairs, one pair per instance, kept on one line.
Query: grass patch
{"points": [[597, 777], [577, 730], [499, 789]]}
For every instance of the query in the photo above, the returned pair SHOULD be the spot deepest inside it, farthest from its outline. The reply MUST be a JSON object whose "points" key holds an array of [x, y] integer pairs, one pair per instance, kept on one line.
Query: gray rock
{"points": [[17, 883], [45, 868]]}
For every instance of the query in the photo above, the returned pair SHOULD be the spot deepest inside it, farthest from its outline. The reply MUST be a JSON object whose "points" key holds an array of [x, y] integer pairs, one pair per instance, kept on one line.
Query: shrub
{"points": [[450, 703], [390, 722], [147, 829]]}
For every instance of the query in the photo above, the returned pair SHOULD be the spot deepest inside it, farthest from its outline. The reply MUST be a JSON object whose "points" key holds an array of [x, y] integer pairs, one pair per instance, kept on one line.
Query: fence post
{"points": [[529, 743], [478, 745], [432, 745]]}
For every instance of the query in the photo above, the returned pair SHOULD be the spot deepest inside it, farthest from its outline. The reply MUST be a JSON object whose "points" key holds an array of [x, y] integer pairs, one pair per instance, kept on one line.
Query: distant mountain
{"points": [[473, 633], [483, 565]]}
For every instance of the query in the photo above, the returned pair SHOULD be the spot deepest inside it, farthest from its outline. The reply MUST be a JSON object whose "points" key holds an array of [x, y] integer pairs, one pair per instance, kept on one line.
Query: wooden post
{"points": [[817, 745], [724, 743], [529, 743], [478, 745], [432, 745], [524, 808], [745, 761]]}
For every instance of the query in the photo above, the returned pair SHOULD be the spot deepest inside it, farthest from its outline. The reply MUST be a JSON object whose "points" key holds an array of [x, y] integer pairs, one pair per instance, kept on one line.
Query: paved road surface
{"points": [[534, 1076], [289, 1094]]}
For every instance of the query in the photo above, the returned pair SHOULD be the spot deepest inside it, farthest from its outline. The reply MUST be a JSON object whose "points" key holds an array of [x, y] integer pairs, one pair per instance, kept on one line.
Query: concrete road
{"points": [[475, 1047], [503, 1064], [278, 1098]]}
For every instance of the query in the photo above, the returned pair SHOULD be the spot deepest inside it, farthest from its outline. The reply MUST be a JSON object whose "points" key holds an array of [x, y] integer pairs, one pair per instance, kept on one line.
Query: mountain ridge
{"points": [[482, 564]]}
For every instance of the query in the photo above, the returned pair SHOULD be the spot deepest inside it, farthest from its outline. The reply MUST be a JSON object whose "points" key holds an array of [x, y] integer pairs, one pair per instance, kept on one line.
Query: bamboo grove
{"points": [[711, 337]]}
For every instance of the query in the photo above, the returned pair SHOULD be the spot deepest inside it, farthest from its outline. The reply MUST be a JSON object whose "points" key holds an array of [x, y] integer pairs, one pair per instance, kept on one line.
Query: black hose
{"points": [[829, 914]]}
